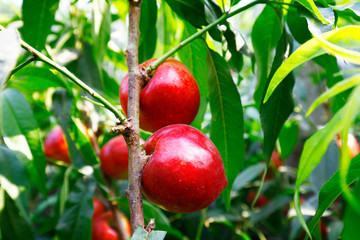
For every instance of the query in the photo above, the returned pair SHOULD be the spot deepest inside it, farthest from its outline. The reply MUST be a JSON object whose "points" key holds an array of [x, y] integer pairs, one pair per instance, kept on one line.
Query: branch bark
{"points": [[132, 138]]}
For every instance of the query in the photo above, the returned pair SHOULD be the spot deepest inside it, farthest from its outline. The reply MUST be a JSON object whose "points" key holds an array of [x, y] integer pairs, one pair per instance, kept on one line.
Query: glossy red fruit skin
{"points": [[353, 145], [114, 158], [101, 229], [55, 145], [185, 172], [99, 208], [172, 96]]}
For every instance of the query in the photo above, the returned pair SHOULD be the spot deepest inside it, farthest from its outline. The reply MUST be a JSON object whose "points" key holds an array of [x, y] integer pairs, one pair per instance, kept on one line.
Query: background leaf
{"points": [[265, 35], [310, 5], [75, 222], [101, 29], [9, 53], [227, 123], [21, 134], [13, 179], [189, 10], [193, 56], [38, 17], [332, 189], [13, 225], [148, 30]]}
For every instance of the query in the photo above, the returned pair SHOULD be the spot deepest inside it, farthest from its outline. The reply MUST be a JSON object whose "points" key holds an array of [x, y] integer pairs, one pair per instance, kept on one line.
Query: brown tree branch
{"points": [[131, 134]]}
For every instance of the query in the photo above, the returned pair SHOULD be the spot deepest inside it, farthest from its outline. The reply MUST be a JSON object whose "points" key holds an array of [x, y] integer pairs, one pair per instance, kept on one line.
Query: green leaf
{"points": [[13, 179], [248, 175], [141, 234], [82, 141], [13, 225], [148, 30], [288, 137], [21, 134], [333, 188], [280, 105], [270, 208], [9, 52], [336, 89], [350, 55], [310, 5], [347, 10], [348, 36], [227, 123], [193, 55], [75, 222], [189, 10], [62, 109], [38, 17], [351, 218], [265, 35], [101, 28], [331, 68], [317, 144], [31, 79]]}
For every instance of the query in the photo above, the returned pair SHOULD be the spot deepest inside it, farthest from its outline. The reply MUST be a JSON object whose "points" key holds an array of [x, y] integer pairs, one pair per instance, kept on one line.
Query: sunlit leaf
{"points": [[336, 89], [227, 123], [101, 28], [21, 134], [13, 178], [310, 5], [9, 53], [348, 36]]}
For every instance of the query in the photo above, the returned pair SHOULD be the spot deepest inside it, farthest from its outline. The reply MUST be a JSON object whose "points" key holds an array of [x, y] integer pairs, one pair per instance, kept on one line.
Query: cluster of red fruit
{"points": [[185, 172], [101, 223]]}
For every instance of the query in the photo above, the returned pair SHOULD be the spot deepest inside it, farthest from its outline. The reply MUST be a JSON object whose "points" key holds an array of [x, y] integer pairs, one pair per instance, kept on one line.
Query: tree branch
{"points": [[136, 159]]}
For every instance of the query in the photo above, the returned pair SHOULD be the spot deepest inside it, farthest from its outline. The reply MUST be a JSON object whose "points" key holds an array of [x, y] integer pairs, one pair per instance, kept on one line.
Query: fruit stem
{"points": [[39, 56], [225, 16]]}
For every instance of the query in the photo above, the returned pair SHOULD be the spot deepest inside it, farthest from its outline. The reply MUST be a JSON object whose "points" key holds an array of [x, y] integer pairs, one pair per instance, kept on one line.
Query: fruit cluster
{"points": [[185, 172], [101, 223]]}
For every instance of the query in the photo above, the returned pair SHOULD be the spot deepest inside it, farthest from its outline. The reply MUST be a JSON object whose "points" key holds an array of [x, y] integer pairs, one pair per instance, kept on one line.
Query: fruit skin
{"points": [[101, 229], [55, 145], [185, 172], [172, 96], [353, 145], [99, 208], [114, 158]]}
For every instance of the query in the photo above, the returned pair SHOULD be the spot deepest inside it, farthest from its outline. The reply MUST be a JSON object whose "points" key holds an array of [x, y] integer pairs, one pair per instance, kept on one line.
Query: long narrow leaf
{"points": [[348, 36], [227, 123]]}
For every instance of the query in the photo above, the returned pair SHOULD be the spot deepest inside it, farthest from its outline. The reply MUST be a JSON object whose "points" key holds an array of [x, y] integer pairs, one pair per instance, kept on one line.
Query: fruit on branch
{"points": [[171, 96], [99, 208], [261, 201], [55, 145], [102, 229], [114, 158], [185, 172], [352, 143]]}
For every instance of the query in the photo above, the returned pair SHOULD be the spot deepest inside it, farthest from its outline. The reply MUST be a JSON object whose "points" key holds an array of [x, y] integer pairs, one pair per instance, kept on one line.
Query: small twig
{"points": [[92, 101], [225, 16], [39, 56]]}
